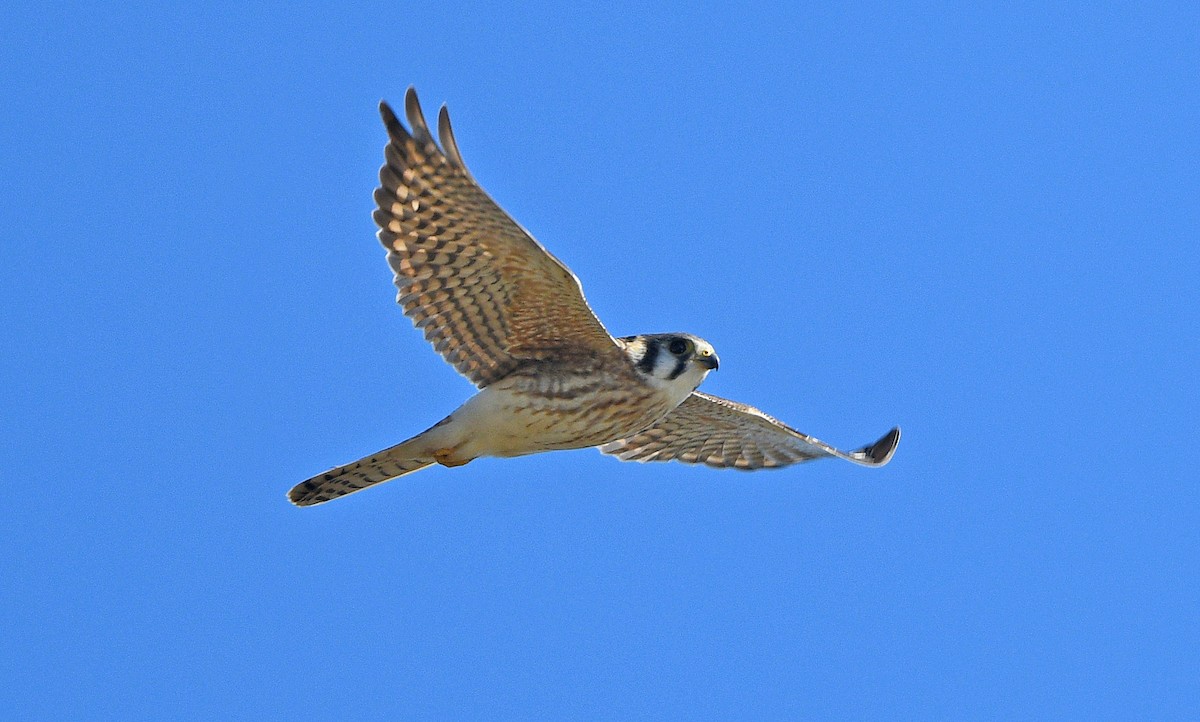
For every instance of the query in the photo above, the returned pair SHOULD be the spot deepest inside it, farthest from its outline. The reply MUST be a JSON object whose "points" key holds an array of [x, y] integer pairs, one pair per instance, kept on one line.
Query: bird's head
{"points": [[671, 359]]}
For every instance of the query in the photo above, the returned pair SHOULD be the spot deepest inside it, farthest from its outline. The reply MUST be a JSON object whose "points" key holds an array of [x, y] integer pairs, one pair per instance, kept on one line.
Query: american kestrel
{"points": [[512, 318]]}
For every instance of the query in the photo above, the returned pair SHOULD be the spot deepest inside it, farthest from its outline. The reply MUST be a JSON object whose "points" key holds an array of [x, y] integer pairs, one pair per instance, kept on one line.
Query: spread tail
{"points": [[404, 458]]}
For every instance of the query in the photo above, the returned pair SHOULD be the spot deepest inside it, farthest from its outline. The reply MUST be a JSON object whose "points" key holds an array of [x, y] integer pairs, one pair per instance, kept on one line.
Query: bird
{"points": [[512, 318]]}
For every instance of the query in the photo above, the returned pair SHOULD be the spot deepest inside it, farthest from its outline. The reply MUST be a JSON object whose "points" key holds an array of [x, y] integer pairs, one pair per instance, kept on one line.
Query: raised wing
{"points": [[709, 430], [485, 293]]}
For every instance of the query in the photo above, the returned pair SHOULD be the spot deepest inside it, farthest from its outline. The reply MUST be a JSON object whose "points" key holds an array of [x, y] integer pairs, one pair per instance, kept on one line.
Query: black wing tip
{"points": [[412, 111], [394, 127], [416, 116], [449, 143], [420, 128], [880, 452], [445, 132]]}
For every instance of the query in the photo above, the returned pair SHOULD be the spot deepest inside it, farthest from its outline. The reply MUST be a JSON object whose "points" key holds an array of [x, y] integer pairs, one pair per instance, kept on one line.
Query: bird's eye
{"points": [[678, 346]]}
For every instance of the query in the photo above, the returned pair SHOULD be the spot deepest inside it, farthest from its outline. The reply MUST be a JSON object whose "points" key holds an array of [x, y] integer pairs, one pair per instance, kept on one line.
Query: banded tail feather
{"points": [[404, 458]]}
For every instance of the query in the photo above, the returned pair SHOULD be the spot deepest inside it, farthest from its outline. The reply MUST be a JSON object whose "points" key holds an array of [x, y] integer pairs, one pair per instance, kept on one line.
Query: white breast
{"points": [[505, 421]]}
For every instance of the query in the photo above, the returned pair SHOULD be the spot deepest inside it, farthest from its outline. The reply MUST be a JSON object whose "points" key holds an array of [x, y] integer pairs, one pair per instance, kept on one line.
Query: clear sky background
{"points": [[979, 224]]}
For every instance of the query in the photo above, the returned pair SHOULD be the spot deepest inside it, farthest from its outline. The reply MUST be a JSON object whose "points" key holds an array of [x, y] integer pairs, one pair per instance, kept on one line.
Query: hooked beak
{"points": [[709, 362]]}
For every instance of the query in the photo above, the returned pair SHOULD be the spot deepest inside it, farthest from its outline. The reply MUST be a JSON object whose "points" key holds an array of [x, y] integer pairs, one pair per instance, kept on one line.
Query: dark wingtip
{"points": [[416, 117], [881, 451], [449, 144], [391, 122]]}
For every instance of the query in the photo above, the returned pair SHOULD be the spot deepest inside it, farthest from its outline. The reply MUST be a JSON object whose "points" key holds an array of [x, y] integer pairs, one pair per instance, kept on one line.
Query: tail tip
{"points": [[306, 493]]}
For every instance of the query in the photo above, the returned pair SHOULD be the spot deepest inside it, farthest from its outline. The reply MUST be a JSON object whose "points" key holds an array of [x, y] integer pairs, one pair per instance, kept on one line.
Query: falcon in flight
{"points": [[512, 318]]}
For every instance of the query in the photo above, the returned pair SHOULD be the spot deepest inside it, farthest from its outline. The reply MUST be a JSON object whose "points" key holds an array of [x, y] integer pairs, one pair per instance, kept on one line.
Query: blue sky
{"points": [[980, 224]]}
